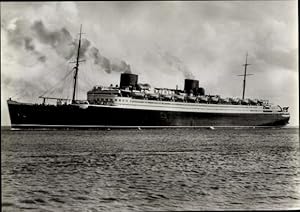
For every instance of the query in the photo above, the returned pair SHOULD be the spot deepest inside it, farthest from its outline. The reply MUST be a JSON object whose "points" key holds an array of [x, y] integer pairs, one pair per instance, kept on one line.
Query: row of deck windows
{"points": [[111, 100], [152, 102], [123, 100]]}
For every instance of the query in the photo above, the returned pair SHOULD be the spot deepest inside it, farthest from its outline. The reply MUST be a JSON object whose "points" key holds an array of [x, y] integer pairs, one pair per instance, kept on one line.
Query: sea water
{"points": [[150, 169]]}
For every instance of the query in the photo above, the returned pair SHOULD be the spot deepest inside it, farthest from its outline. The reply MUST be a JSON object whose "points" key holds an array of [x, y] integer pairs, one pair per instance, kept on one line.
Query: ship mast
{"points": [[244, 75], [77, 66]]}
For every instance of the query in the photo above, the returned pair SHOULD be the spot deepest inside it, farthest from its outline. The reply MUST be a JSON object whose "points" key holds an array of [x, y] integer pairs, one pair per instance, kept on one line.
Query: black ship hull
{"points": [[76, 116]]}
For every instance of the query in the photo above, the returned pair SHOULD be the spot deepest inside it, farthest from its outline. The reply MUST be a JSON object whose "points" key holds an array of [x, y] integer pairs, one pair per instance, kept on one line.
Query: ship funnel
{"points": [[201, 92], [128, 80], [191, 86]]}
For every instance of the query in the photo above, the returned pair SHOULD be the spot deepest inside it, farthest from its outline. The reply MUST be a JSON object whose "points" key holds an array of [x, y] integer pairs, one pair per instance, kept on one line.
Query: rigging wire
{"points": [[81, 79], [57, 67], [92, 70], [68, 93], [21, 92], [64, 93], [53, 88], [63, 86], [86, 76], [76, 89], [51, 91], [16, 96]]}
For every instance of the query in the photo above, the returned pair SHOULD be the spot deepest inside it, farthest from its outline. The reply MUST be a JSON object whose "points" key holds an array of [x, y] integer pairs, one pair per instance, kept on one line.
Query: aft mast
{"points": [[77, 66], [244, 75]]}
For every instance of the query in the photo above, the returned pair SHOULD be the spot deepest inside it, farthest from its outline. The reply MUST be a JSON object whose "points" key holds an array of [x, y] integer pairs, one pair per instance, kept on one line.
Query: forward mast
{"points": [[77, 66]]}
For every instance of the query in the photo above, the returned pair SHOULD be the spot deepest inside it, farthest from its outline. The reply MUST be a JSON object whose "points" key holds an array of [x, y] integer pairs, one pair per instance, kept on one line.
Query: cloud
{"points": [[284, 59]]}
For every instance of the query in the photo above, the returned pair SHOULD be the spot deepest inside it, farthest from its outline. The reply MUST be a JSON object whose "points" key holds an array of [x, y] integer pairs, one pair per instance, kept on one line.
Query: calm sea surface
{"points": [[150, 170]]}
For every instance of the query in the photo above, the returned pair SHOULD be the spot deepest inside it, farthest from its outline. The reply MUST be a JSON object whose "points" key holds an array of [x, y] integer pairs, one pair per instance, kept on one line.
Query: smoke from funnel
{"points": [[175, 63], [28, 44], [178, 65], [108, 65], [121, 66], [19, 36], [61, 41]]}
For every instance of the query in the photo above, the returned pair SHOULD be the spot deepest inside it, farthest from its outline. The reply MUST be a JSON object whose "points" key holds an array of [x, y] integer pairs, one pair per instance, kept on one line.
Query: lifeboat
{"points": [[191, 98], [167, 97], [179, 97], [234, 101], [245, 102], [81, 104], [203, 99], [152, 96], [138, 95], [224, 100], [253, 101], [145, 86], [214, 99]]}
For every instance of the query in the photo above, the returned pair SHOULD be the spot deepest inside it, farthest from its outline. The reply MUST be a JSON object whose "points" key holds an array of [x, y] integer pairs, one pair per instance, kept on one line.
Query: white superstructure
{"points": [[111, 98]]}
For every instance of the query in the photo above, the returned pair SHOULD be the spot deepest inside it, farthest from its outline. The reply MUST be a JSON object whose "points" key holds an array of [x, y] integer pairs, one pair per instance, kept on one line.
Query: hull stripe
{"points": [[114, 126]]}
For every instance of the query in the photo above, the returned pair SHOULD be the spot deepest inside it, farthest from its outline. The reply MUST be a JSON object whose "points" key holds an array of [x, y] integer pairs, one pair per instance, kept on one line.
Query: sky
{"points": [[163, 42]]}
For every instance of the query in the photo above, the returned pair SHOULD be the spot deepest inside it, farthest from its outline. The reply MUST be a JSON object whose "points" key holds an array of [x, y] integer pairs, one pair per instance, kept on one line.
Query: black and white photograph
{"points": [[150, 106]]}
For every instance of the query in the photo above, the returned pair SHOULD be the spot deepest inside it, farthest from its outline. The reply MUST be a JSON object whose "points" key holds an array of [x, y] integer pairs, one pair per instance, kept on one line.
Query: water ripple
{"points": [[150, 170]]}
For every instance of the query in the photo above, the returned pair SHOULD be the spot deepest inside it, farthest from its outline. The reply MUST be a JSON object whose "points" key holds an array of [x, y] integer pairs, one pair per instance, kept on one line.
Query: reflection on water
{"points": [[162, 169]]}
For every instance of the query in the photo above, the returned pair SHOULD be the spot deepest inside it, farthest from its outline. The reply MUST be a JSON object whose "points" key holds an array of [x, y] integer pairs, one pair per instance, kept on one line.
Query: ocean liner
{"points": [[136, 105]]}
